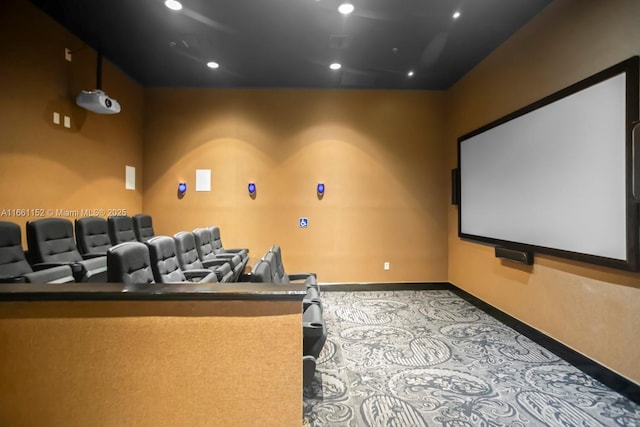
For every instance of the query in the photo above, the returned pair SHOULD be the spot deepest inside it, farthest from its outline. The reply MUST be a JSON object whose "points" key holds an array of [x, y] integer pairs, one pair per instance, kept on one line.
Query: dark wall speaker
{"points": [[635, 165], [455, 186], [522, 257]]}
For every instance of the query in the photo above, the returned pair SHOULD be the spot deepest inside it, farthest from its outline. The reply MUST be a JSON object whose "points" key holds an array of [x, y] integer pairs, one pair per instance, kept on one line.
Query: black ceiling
{"points": [[290, 43]]}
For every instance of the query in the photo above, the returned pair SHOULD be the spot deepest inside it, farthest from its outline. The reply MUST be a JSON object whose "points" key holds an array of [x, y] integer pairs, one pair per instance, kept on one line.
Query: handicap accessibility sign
{"points": [[303, 222]]}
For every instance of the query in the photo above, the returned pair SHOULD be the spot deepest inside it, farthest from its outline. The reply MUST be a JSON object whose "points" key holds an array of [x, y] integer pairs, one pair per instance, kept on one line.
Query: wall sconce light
{"points": [[320, 190], [182, 188], [252, 190]]}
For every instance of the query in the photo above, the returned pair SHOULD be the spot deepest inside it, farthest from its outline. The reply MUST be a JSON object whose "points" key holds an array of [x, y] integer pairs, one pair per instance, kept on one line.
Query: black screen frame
{"points": [[631, 67]]}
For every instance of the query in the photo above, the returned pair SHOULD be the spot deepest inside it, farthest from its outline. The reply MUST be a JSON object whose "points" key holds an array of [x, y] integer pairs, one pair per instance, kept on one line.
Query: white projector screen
{"points": [[554, 177]]}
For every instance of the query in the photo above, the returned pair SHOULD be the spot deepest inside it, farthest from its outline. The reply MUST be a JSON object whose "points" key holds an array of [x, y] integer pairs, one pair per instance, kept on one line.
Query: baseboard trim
{"points": [[606, 376], [398, 286]]}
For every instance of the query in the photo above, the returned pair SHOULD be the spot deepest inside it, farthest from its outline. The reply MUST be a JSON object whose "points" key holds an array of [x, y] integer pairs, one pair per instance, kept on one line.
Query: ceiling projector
{"points": [[98, 102]]}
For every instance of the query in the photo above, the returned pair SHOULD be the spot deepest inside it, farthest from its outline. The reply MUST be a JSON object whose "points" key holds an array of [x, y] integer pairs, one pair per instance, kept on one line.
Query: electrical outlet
{"points": [[67, 122], [56, 118], [387, 264], [67, 54]]}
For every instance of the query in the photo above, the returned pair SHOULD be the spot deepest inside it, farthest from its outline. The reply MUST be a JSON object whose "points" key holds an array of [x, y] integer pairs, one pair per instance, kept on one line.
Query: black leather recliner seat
{"points": [[310, 279], [14, 267], [51, 243], [206, 252], [314, 330], [312, 297], [314, 335], [129, 263], [143, 227], [92, 236], [121, 229], [189, 260], [165, 265]]}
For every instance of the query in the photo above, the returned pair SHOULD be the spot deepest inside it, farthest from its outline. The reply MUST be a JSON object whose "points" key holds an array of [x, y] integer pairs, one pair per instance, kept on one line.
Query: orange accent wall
{"points": [[47, 169], [384, 156], [596, 311], [379, 153], [151, 363]]}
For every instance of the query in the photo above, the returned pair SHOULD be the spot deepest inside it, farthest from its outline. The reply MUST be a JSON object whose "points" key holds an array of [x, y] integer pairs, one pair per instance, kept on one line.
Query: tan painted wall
{"points": [[593, 310], [379, 153], [195, 363], [45, 167]]}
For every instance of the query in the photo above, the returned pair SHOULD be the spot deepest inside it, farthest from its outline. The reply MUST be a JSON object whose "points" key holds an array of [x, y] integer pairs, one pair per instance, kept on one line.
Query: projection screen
{"points": [[555, 177]]}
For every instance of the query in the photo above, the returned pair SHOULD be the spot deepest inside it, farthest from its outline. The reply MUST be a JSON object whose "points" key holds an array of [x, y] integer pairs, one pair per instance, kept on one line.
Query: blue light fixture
{"points": [[252, 188], [320, 189], [182, 188]]}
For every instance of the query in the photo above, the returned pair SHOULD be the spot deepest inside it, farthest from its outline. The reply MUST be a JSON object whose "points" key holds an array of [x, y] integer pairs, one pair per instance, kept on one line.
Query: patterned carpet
{"points": [[429, 358]]}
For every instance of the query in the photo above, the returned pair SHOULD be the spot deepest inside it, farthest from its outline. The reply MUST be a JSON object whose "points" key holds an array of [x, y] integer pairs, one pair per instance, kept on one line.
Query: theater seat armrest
{"points": [[214, 263], [301, 276], [18, 279], [312, 329], [60, 274], [95, 263], [210, 278], [312, 321], [234, 259], [198, 275], [93, 255], [312, 296], [308, 369], [245, 277], [222, 271], [45, 265], [307, 302], [227, 256], [243, 251], [91, 270]]}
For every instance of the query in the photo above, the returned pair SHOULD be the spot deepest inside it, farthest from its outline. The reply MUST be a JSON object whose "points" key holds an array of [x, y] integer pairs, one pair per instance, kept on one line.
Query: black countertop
{"points": [[151, 292]]}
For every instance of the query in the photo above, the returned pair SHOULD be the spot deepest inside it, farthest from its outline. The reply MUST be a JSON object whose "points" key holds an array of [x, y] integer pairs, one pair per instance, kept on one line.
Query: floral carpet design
{"points": [[429, 358]]}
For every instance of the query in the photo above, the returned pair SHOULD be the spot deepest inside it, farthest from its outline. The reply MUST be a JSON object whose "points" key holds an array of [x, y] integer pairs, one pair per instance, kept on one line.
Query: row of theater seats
{"points": [[126, 250], [185, 257], [54, 256], [190, 256], [270, 269]]}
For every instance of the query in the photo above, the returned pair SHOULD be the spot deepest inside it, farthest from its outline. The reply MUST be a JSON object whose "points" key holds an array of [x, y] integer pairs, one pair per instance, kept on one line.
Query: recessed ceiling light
{"points": [[345, 8], [456, 14], [410, 73], [213, 64], [173, 4], [335, 66]]}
